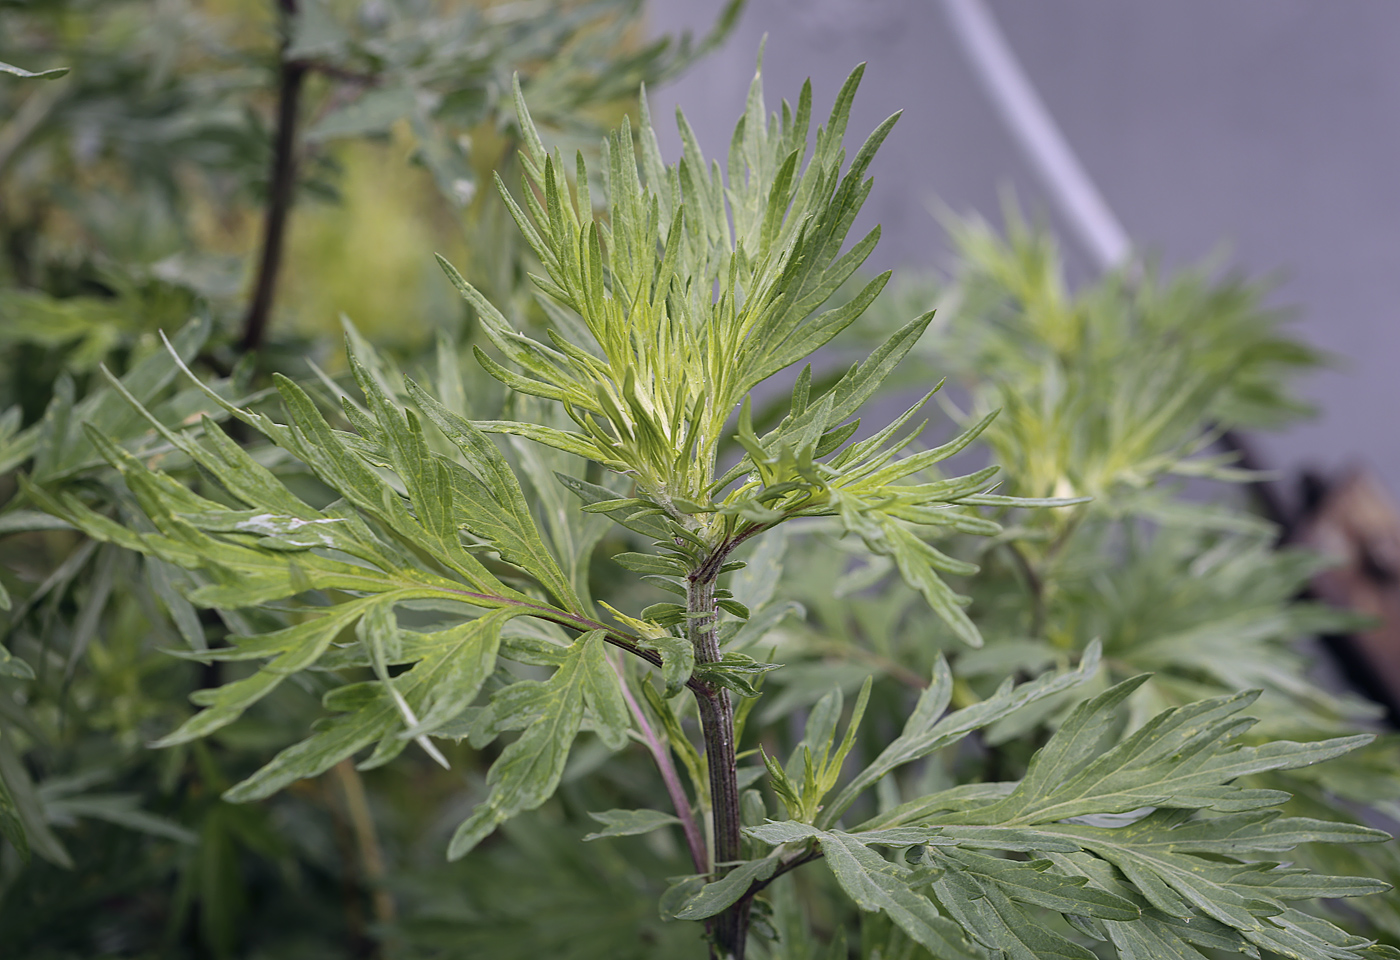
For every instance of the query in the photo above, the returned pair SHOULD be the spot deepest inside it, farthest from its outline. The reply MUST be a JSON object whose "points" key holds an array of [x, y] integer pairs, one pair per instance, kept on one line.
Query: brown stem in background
{"points": [[892, 668], [367, 842], [281, 189], [337, 72], [358, 943]]}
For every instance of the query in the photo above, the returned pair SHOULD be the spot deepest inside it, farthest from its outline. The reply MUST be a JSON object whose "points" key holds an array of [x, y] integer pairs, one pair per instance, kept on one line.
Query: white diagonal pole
{"points": [[1035, 132]]}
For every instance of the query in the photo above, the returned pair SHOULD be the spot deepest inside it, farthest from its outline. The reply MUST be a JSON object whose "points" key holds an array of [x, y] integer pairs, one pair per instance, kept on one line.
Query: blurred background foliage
{"points": [[133, 195]]}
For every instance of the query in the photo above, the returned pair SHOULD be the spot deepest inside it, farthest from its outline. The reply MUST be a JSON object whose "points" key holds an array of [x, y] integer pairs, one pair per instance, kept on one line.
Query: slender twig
{"points": [[892, 668], [661, 754], [367, 841], [336, 72], [358, 943], [1035, 583], [576, 622], [280, 192], [784, 867]]}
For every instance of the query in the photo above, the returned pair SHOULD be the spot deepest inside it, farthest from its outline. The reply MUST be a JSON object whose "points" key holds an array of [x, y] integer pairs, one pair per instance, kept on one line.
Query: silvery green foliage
{"points": [[1122, 389], [667, 310], [1118, 389]]}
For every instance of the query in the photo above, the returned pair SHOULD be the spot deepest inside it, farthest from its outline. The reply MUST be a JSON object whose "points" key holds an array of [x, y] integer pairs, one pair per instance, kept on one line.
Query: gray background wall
{"points": [[1268, 130]]}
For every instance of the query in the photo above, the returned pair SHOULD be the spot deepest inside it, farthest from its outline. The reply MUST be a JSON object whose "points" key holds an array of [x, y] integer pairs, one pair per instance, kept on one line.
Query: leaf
{"points": [[629, 823], [679, 891], [22, 810], [455, 664], [293, 648], [1262, 831], [677, 661], [528, 770], [736, 672], [10, 665], [11, 824], [161, 576], [495, 507], [924, 731], [756, 582], [649, 563], [368, 714], [427, 480], [1179, 758], [1184, 865], [815, 764], [315, 32], [591, 494], [918, 564], [776, 832], [861, 382], [572, 534], [1155, 934], [1235, 894], [875, 883], [1032, 883], [25, 521], [991, 917], [603, 692], [122, 810], [53, 74], [460, 660], [715, 897]]}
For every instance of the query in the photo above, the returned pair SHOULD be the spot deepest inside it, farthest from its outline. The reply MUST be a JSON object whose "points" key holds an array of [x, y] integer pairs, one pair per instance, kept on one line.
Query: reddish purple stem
{"points": [[661, 753]]}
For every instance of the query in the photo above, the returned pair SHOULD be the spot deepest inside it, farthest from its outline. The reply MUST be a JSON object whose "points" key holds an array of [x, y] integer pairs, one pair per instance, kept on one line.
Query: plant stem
{"points": [[582, 624], [1036, 584], [280, 189], [730, 929], [661, 753], [371, 853], [785, 866]]}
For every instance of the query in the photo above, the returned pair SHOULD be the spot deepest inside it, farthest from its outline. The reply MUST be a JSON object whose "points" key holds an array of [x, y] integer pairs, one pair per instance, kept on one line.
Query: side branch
{"points": [[661, 754], [1034, 583], [783, 867], [575, 622]]}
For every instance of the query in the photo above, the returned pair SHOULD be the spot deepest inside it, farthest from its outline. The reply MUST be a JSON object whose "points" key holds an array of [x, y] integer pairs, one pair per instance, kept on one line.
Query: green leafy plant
{"points": [[439, 588], [125, 187]]}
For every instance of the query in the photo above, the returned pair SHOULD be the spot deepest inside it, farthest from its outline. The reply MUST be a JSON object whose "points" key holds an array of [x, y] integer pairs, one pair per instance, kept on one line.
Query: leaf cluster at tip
{"points": [[688, 290]]}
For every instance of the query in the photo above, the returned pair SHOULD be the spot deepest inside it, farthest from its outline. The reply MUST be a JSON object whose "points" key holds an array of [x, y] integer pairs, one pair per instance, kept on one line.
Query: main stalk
{"points": [[730, 929]]}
